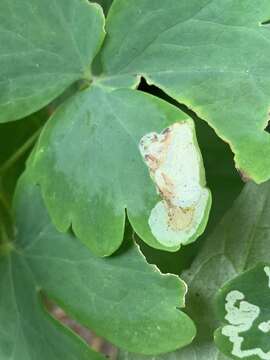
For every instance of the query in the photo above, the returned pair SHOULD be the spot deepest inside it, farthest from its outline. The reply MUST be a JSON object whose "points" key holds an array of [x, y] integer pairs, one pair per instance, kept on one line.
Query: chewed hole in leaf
{"points": [[95, 342], [174, 164]]}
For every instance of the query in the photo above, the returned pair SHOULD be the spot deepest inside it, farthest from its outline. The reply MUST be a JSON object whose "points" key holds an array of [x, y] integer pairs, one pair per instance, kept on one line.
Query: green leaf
{"points": [[244, 309], [44, 48], [89, 166], [121, 298], [212, 55], [27, 331], [239, 242]]}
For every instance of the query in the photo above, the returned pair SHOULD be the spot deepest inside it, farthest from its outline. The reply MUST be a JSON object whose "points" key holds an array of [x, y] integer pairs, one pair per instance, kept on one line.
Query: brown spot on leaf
{"points": [[179, 218]]}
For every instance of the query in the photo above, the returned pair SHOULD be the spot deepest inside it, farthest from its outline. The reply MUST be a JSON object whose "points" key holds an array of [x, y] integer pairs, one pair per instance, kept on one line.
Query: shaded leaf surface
{"points": [[211, 55], [44, 49], [121, 298], [90, 168], [238, 243]]}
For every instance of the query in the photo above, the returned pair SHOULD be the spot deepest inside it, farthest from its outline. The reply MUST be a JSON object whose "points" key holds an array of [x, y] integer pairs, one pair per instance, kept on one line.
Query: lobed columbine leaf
{"points": [[44, 48], [213, 56], [121, 298], [91, 166]]}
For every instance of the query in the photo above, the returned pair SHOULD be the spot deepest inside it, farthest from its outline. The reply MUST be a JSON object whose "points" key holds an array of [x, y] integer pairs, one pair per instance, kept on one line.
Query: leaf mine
{"points": [[264, 326], [245, 334], [175, 165], [267, 272], [241, 319]]}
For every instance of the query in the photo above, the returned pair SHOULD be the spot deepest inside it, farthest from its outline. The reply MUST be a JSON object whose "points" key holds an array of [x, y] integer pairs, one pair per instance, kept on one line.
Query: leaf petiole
{"points": [[20, 152]]}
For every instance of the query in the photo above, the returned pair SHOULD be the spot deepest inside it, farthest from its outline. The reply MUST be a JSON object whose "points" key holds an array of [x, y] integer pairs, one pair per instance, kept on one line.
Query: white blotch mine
{"points": [[267, 271], [241, 316], [265, 327], [174, 163]]}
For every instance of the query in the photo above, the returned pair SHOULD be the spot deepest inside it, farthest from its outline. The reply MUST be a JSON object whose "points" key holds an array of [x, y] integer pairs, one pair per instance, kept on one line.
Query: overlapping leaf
{"points": [[212, 55], [90, 168], [244, 309], [122, 298], [238, 243], [44, 48], [26, 330]]}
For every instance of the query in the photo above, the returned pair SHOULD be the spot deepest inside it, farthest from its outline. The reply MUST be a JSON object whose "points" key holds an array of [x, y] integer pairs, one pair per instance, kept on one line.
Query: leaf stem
{"points": [[3, 236], [6, 246], [5, 203], [20, 152], [5, 240]]}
